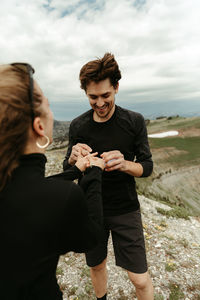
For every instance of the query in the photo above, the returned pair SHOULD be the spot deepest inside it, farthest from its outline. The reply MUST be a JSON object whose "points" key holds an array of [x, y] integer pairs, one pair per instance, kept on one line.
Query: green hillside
{"points": [[189, 146], [176, 175], [173, 123]]}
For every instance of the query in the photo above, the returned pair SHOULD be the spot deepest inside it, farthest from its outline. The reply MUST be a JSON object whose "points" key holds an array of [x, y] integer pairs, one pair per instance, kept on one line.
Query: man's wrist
{"points": [[132, 168], [124, 167]]}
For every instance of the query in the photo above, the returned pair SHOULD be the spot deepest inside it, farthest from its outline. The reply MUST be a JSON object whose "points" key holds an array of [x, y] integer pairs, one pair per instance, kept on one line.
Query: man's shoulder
{"points": [[81, 119], [130, 115]]}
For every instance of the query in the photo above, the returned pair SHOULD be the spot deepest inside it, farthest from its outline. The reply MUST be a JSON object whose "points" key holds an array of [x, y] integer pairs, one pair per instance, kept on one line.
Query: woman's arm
{"points": [[84, 212], [70, 174]]}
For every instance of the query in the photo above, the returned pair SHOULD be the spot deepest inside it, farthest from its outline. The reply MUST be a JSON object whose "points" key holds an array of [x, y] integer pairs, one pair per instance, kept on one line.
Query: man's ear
{"points": [[117, 88], [38, 126]]}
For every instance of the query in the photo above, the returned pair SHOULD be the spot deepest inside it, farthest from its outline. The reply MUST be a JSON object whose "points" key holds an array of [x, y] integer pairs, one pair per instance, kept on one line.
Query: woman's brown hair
{"points": [[100, 69], [15, 118]]}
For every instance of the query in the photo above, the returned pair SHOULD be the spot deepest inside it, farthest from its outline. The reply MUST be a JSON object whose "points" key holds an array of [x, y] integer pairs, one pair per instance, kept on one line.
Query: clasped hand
{"points": [[89, 160], [111, 160]]}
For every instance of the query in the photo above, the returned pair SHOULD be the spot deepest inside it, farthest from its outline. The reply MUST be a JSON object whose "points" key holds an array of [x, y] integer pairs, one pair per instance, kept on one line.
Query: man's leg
{"points": [[96, 260], [143, 285], [130, 254], [99, 279]]}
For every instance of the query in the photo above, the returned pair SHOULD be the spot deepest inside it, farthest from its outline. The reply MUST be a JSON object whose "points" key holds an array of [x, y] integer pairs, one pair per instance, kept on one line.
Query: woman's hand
{"points": [[96, 161], [82, 163], [85, 162]]}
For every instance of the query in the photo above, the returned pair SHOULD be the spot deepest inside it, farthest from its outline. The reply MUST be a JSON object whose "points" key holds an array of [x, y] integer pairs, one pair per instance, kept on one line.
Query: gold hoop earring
{"points": [[43, 146]]}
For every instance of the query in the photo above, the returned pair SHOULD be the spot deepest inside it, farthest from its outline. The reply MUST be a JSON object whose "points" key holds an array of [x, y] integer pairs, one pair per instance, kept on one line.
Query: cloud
{"points": [[156, 43]]}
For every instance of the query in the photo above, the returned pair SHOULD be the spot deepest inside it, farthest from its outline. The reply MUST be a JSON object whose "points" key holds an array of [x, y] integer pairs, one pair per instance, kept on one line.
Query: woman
{"points": [[40, 218]]}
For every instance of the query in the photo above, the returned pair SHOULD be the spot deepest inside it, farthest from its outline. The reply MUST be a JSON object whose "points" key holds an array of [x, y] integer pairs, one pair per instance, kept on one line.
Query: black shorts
{"points": [[128, 243]]}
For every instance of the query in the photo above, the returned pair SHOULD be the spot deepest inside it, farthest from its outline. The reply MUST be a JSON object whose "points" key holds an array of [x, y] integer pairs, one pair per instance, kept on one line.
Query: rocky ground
{"points": [[173, 252]]}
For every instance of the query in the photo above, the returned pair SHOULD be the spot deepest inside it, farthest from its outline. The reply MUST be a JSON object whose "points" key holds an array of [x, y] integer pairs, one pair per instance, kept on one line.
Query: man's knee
{"points": [[99, 267], [140, 281]]}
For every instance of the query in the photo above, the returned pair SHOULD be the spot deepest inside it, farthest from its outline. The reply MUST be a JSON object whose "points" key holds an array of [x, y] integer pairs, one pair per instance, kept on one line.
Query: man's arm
{"points": [[142, 150], [132, 168], [143, 165]]}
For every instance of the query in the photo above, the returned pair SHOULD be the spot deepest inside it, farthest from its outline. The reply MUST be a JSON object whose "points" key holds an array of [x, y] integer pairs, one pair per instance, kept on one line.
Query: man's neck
{"points": [[99, 119]]}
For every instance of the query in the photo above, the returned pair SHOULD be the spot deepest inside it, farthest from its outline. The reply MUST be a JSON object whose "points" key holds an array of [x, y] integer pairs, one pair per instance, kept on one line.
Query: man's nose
{"points": [[100, 102]]}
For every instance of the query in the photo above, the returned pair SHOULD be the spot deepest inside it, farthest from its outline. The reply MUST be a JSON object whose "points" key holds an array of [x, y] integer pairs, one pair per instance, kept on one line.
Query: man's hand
{"points": [[78, 150], [114, 160]]}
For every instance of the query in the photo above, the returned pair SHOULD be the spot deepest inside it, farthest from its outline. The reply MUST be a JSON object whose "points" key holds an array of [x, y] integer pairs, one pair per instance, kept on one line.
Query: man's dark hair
{"points": [[100, 69]]}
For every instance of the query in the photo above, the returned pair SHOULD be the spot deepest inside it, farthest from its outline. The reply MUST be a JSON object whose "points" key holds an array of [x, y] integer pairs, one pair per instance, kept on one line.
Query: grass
{"points": [[190, 146], [163, 223], [169, 237], [89, 287], [72, 291], [85, 272], [158, 297], [122, 296], [59, 271], [174, 153], [171, 253], [176, 212], [175, 292], [184, 243], [173, 124], [170, 266]]}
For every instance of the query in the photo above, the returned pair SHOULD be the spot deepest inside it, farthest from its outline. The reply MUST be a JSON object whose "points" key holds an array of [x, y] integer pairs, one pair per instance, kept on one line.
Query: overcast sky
{"points": [[156, 43]]}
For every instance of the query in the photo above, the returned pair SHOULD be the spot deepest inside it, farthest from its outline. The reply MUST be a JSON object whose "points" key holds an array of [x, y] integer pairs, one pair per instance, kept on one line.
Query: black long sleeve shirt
{"points": [[124, 131], [40, 219]]}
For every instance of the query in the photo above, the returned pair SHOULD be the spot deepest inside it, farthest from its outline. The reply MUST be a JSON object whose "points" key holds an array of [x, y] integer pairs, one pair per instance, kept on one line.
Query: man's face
{"points": [[101, 96]]}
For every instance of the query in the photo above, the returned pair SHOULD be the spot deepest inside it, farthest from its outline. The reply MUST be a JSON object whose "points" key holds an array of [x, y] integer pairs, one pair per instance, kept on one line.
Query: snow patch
{"points": [[163, 134]]}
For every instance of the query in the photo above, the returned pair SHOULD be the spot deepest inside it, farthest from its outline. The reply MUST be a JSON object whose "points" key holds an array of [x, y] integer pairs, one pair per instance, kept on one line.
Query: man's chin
{"points": [[102, 115]]}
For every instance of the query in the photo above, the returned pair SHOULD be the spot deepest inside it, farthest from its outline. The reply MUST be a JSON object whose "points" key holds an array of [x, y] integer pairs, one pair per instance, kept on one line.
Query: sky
{"points": [[155, 42]]}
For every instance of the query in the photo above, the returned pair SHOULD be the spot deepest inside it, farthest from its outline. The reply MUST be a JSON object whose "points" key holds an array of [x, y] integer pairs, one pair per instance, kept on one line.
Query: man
{"points": [[120, 138]]}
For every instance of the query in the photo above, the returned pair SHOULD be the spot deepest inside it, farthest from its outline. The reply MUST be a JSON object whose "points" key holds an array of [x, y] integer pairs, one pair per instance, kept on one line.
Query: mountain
{"points": [[176, 176], [60, 134]]}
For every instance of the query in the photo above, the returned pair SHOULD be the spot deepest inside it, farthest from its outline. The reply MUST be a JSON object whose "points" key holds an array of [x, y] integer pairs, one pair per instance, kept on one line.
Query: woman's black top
{"points": [[40, 219]]}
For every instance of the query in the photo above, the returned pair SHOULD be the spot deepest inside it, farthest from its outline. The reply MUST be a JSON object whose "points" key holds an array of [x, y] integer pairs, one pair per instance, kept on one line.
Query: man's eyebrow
{"points": [[104, 94], [92, 95], [100, 94]]}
